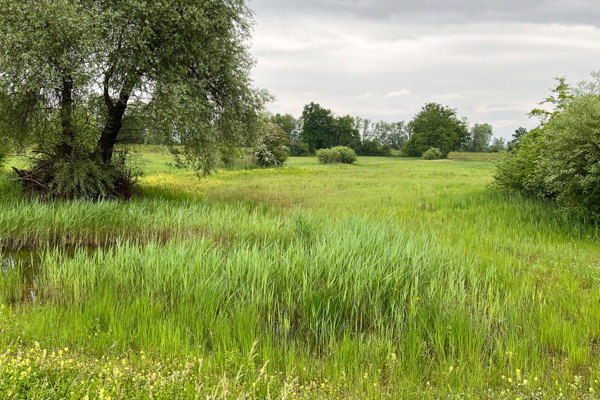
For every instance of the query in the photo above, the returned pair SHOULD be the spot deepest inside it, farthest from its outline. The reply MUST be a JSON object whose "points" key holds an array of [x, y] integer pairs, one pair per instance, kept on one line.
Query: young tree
{"points": [[436, 126], [481, 134], [187, 60]]}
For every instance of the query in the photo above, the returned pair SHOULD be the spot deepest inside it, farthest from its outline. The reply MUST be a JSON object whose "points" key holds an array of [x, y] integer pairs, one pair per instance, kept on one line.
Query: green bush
{"points": [[272, 150], [560, 160], [433, 154], [327, 156], [346, 154], [338, 154]]}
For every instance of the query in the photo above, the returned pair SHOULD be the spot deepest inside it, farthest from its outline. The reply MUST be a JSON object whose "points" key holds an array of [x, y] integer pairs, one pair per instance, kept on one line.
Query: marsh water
{"points": [[21, 268], [20, 271]]}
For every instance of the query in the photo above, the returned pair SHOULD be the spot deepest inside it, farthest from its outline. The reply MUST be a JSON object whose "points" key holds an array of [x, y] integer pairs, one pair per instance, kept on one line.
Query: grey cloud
{"points": [[446, 11]]}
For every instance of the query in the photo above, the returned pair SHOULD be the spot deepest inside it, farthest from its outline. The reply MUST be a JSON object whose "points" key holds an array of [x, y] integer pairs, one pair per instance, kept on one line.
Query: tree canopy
{"points": [[436, 126], [321, 129], [187, 60], [481, 134]]}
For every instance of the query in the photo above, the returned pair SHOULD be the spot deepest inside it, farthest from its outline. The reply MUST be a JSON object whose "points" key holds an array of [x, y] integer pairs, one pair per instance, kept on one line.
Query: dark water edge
{"points": [[20, 271]]}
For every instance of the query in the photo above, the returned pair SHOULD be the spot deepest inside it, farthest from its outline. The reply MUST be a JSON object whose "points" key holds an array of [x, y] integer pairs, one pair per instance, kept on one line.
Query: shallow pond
{"points": [[20, 272]]}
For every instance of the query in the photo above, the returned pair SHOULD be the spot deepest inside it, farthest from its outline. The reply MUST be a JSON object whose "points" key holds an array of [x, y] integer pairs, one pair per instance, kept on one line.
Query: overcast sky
{"points": [[383, 59]]}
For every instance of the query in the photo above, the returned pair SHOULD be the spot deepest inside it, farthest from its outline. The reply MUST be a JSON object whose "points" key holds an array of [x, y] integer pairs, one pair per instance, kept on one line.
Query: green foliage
{"points": [[393, 134], [516, 138], [374, 148], [561, 97], [433, 154], [272, 149], [321, 129], [346, 135], [561, 159], [287, 122], [570, 156], [436, 126], [497, 145], [481, 134], [3, 156], [338, 154], [346, 154], [135, 126], [517, 170], [78, 177], [318, 127], [327, 156], [298, 148]]}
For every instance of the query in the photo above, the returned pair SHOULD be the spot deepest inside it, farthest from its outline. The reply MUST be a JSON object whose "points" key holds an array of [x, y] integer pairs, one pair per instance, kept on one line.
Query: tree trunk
{"points": [[65, 147], [108, 139]]}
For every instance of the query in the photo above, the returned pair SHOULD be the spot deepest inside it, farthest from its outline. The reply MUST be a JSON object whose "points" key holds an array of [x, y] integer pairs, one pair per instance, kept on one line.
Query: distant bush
{"points": [[339, 154], [433, 154], [560, 160], [374, 148], [327, 156], [298, 148]]}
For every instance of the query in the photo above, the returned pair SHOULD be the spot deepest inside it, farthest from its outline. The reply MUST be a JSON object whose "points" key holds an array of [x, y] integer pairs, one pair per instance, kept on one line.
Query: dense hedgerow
{"points": [[560, 160], [374, 148], [335, 155]]}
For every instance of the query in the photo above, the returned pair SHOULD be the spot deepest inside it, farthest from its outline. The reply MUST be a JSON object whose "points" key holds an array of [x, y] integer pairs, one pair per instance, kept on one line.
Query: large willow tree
{"points": [[69, 69]]}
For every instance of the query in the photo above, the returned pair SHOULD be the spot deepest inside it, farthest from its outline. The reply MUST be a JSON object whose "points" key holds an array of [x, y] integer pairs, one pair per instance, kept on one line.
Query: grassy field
{"points": [[391, 278]]}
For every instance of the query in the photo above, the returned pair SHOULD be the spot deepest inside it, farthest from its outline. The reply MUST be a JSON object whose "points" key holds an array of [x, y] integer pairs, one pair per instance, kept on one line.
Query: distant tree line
{"points": [[435, 126]]}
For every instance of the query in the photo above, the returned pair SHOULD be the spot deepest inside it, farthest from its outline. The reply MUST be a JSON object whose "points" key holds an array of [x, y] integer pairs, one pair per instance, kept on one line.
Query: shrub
{"points": [[570, 156], [560, 160], [79, 176], [346, 154], [272, 150], [339, 154], [517, 170], [327, 156], [433, 154]]}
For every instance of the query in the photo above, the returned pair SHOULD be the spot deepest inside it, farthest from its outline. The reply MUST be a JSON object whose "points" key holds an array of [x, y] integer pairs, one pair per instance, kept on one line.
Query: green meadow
{"points": [[390, 278]]}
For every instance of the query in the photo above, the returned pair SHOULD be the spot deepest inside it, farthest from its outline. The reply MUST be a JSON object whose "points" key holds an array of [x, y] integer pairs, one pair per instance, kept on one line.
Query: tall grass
{"points": [[442, 290]]}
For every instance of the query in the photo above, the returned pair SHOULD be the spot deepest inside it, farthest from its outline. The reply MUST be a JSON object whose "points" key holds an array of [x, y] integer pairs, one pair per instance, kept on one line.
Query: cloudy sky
{"points": [[383, 59]]}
